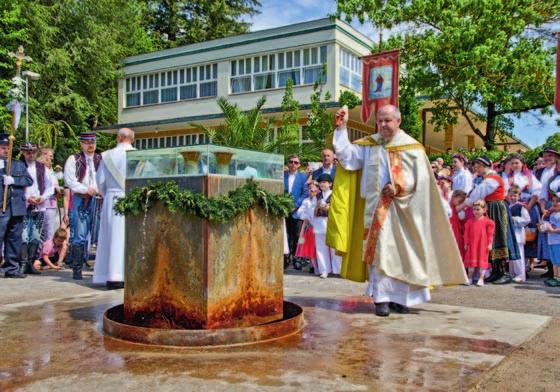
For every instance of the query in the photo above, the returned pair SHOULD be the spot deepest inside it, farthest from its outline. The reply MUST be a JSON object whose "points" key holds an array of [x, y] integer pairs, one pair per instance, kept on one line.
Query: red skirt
{"points": [[307, 249]]}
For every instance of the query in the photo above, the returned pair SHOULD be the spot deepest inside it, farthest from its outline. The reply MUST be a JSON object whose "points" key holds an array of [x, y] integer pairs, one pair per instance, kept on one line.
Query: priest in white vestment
{"points": [[387, 218], [109, 260]]}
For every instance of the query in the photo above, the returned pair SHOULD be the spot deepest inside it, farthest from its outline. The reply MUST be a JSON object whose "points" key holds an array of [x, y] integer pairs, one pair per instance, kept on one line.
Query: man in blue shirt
{"points": [[295, 183], [11, 221]]}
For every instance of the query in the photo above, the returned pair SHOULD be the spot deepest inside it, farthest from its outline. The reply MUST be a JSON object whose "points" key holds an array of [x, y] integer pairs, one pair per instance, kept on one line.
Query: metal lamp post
{"points": [[28, 75]]}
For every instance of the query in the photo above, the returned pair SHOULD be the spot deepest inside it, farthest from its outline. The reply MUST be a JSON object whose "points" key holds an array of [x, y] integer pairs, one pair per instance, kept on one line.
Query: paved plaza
{"points": [[51, 339]]}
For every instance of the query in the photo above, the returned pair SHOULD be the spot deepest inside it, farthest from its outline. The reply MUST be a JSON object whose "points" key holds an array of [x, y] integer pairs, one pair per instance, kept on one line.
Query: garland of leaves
{"points": [[215, 209]]}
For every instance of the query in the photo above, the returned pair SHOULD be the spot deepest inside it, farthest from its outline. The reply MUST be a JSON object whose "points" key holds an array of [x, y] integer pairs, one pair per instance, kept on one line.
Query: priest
{"points": [[109, 260], [387, 218]]}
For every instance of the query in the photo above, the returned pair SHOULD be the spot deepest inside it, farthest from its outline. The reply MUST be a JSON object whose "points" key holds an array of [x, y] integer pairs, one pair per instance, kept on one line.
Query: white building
{"points": [[163, 93]]}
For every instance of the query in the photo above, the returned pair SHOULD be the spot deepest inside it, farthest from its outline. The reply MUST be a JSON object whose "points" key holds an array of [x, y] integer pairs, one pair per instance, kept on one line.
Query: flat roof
{"points": [[256, 36]]}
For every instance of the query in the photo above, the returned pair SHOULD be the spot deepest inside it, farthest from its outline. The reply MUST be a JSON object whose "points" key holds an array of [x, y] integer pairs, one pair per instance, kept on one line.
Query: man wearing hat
{"points": [[11, 220], [36, 196], [492, 190], [79, 176]]}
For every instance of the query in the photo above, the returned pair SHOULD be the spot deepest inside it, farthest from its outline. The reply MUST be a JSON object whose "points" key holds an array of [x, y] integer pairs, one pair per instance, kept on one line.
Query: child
{"points": [[458, 219], [478, 237], [521, 218], [553, 230], [306, 243], [327, 260], [54, 251]]}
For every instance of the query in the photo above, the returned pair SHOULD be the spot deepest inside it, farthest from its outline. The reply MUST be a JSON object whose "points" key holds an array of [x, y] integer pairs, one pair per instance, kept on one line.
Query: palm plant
{"points": [[248, 129]]}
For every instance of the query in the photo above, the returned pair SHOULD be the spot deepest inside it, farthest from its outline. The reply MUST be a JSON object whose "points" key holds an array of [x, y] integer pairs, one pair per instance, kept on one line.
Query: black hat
{"points": [[88, 136], [4, 138], [483, 161], [549, 150], [325, 177]]}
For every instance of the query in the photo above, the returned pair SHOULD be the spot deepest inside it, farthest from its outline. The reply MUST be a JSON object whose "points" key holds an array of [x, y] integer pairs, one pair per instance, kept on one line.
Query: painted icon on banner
{"points": [[381, 82]]}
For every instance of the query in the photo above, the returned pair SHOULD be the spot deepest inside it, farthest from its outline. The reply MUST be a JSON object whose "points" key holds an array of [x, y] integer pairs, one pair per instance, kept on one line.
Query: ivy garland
{"points": [[215, 209]]}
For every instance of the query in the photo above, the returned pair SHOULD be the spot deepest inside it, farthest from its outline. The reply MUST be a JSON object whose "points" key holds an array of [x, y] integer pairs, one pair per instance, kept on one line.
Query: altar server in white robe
{"points": [[387, 218], [109, 261]]}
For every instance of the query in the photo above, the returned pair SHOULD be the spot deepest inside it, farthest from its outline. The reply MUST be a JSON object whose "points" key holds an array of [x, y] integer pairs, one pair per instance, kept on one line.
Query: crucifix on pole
{"points": [[15, 107]]}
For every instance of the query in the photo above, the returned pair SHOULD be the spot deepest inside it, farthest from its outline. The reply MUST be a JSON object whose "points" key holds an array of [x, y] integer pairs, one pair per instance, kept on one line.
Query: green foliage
{"points": [[220, 209], [288, 132], [349, 99], [241, 129], [409, 107], [175, 23], [471, 54]]}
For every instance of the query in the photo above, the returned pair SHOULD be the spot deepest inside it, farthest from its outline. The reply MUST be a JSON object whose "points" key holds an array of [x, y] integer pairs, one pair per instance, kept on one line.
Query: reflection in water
{"points": [[341, 342]]}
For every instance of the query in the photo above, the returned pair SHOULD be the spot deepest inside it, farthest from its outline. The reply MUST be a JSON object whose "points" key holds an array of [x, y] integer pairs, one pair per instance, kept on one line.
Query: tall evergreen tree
{"points": [[175, 23]]}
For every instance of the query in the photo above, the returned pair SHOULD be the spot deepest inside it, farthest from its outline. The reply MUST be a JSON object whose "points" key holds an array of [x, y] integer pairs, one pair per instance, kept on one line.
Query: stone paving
{"points": [[51, 339]]}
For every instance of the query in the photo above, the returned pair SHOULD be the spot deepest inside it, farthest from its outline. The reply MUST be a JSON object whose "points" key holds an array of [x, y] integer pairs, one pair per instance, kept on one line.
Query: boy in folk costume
{"points": [[36, 197], [492, 190], [79, 176], [530, 188], [521, 218]]}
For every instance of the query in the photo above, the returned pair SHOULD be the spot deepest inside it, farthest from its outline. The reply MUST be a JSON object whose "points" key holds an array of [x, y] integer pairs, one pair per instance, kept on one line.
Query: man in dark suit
{"points": [[11, 221], [327, 157], [295, 183]]}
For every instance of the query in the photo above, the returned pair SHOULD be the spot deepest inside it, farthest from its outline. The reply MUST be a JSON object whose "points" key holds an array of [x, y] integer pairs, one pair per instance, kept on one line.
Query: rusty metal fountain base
{"points": [[115, 326]]}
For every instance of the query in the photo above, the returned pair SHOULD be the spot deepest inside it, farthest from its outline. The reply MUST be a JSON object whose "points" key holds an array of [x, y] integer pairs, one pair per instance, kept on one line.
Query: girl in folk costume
{"points": [[553, 229], [306, 244], [479, 235], [492, 190], [550, 158], [530, 188], [521, 218], [327, 260], [459, 218]]}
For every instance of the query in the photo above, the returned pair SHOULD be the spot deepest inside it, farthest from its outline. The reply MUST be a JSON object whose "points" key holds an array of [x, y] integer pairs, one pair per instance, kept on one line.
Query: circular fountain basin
{"points": [[291, 323]]}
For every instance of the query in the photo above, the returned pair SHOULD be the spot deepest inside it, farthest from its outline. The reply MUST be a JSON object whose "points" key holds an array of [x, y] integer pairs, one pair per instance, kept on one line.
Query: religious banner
{"points": [[380, 81], [557, 95]]}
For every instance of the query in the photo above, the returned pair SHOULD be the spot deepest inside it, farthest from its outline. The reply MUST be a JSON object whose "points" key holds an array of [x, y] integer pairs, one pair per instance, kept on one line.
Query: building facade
{"points": [[162, 94]]}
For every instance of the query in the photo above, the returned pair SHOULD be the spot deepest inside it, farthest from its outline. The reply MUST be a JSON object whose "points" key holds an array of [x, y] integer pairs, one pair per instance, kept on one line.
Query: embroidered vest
{"points": [[81, 164], [500, 192], [322, 211], [41, 172], [516, 209]]}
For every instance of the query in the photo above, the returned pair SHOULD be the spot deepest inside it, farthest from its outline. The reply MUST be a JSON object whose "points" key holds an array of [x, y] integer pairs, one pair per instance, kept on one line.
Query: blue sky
{"points": [[532, 128]]}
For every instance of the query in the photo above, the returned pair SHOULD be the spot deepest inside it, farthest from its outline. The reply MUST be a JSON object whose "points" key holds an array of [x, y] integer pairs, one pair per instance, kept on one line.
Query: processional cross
{"points": [[15, 107]]}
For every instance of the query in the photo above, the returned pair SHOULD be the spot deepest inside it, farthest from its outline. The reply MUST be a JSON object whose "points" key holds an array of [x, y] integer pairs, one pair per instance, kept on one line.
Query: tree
{"points": [[241, 129], [479, 59], [77, 46], [289, 127], [175, 23]]}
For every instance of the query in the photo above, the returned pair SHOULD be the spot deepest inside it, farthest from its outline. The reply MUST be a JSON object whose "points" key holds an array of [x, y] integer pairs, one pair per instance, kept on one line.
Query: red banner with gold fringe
{"points": [[380, 81]]}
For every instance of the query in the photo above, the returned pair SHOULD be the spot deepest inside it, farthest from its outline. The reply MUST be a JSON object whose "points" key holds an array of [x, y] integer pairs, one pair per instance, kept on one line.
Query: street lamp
{"points": [[28, 75]]}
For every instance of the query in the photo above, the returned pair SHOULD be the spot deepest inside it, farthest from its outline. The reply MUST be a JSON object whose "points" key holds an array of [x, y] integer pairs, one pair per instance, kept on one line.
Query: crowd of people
{"points": [[504, 215], [38, 234]]}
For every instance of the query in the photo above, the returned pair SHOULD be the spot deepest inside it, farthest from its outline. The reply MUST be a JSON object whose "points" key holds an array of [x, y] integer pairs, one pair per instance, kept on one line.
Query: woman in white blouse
{"points": [[462, 177]]}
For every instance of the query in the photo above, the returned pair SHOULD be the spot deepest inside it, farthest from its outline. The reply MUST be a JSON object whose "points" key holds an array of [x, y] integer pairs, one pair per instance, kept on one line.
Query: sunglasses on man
{"points": [[294, 162]]}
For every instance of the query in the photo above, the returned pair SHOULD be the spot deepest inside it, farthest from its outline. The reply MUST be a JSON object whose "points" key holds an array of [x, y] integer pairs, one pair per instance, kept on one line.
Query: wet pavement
{"points": [[52, 340]]}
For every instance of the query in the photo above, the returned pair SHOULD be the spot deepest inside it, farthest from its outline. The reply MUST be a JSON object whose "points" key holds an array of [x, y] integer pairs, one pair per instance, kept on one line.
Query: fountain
{"points": [[191, 282]]}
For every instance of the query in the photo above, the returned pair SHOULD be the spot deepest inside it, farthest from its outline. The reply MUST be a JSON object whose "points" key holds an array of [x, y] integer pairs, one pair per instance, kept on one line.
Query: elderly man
{"points": [[387, 217], [79, 176], [328, 167], [109, 260], [11, 220]]}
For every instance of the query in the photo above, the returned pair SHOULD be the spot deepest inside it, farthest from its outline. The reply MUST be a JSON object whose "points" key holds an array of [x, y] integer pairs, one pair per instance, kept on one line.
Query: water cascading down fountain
{"points": [[192, 281]]}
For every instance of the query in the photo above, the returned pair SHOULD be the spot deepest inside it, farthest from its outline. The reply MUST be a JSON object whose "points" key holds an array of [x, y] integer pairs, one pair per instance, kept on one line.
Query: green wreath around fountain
{"points": [[221, 209]]}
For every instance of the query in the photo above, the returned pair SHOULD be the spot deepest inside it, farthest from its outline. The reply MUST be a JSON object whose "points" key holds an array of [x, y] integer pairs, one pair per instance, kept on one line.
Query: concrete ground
{"points": [[491, 338]]}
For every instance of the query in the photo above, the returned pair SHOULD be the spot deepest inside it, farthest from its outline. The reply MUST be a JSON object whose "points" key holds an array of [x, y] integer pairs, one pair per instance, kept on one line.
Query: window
{"points": [[133, 87], [302, 66], [172, 86], [350, 70], [171, 141]]}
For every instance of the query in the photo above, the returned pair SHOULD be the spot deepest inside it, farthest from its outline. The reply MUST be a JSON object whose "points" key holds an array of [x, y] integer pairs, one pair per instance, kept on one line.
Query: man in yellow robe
{"points": [[387, 217]]}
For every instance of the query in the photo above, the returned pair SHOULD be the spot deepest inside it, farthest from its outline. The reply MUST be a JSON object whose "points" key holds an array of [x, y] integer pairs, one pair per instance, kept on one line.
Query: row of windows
{"points": [[171, 86], [303, 66], [171, 141], [350, 70]]}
